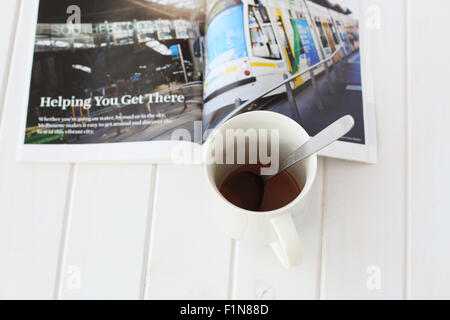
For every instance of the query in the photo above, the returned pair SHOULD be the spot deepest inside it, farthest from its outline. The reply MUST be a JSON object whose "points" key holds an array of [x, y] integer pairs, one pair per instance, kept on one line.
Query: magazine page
{"points": [[303, 59], [108, 77]]}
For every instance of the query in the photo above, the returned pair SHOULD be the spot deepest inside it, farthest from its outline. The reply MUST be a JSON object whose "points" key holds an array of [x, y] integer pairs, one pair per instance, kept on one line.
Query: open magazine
{"points": [[126, 80]]}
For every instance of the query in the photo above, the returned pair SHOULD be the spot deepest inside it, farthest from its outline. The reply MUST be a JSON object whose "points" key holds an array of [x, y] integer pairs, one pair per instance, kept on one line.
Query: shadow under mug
{"points": [[275, 228]]}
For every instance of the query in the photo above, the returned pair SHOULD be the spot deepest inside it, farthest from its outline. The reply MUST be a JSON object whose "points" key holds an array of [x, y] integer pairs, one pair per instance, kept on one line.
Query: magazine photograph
{"points": [[112, 75]]}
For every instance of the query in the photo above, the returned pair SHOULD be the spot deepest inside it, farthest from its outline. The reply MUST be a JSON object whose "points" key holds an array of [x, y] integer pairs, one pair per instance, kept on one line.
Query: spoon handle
{"points": [[323, 139]]}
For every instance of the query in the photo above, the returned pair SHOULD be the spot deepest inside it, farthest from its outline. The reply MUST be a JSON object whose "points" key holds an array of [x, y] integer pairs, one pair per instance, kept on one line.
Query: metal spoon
{"points": [[252, 185]]}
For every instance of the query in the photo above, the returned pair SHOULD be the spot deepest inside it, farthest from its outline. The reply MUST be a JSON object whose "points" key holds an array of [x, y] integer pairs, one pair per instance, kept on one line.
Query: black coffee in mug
{"points": [[278, 191]]}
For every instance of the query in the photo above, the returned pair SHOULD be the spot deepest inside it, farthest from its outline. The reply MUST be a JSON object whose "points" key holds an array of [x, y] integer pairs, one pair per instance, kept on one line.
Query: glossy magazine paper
{"points": [[126, 80]]}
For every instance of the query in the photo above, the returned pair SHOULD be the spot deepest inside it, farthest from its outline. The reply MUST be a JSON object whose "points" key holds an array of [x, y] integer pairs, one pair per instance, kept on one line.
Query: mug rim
{"points": [[310, 179]]}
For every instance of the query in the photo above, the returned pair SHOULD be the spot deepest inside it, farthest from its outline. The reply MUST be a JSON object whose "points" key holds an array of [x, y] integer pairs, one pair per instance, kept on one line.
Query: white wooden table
{"points": [[141, 232]]}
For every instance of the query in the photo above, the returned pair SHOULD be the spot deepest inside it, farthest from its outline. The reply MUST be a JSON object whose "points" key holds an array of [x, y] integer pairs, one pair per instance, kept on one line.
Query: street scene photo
{"points": [[298, 58], [115, 71]]}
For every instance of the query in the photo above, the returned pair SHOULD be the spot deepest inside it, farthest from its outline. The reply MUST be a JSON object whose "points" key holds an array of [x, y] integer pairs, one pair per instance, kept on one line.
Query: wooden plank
{"points": [[105, 246], [364, 222], [429, 154], [9, 11], [189, 256], [32, 196], [259, 275]]}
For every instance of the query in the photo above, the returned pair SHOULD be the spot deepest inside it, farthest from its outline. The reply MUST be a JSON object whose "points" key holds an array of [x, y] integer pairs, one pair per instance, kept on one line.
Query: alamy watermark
{"points": [[373, 281], [373, 17], [74, 20], [228, 146], [73, 277]]}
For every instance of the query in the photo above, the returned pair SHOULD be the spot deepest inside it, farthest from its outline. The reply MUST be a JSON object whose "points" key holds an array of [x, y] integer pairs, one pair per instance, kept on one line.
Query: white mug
{"points": [[275, 228]]}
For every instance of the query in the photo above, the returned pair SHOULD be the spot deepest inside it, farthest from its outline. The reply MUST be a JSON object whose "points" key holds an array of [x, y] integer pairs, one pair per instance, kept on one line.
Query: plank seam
{"points": [[232, 270], [408, 158], [148, 232], [321, 275], [62, 252]]}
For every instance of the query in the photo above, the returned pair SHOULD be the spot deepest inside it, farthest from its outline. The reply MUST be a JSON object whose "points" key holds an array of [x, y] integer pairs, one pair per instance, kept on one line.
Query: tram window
{"points": [[295, 14], [222, 47], [263, 13], [323, 37], [262, 36], [264, 44]]}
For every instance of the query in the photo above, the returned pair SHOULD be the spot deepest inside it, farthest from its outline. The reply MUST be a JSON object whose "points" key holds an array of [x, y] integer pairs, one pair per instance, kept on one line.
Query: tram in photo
{"points": [[339, 25], [251, 44]]}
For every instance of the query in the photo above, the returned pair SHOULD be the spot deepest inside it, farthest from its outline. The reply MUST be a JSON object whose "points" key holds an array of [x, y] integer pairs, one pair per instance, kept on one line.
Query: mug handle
{"points": [[288, 246]]}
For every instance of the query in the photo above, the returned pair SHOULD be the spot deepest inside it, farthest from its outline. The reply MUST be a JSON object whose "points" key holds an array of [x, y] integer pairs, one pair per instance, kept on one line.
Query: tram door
{"points": [[291, 40], [327, 30], [342, 32], [266, 59], [336, 39], [286, 45], [300, 42], [332, 37], [309, 48], [308, 51], [349, 29], [323, 37]]}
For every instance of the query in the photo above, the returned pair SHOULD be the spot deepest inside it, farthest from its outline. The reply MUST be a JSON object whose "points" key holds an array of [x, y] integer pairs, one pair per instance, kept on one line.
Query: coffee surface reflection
{"points": [[245, 191]]}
